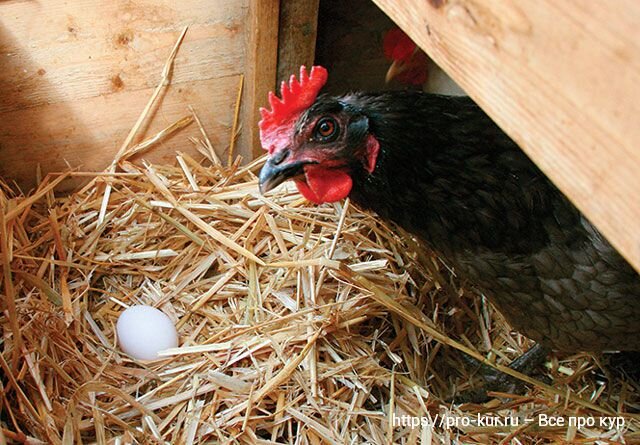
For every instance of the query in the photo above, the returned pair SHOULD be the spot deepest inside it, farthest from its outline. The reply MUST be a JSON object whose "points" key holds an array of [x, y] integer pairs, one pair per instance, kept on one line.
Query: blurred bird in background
{"points": [[412, 66]]}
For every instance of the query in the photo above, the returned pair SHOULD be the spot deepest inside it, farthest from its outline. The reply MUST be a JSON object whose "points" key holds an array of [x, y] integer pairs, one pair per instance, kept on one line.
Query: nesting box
{"points": [[298, 323]]}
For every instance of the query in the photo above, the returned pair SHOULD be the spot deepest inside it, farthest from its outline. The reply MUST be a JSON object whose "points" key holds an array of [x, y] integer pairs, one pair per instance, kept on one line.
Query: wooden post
{"points": [[261, 64], [562, 79], [297, 36]]}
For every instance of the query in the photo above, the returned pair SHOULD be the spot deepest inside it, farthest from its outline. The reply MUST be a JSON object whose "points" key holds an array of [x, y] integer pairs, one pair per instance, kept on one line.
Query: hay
{"points": [[298, 323]]}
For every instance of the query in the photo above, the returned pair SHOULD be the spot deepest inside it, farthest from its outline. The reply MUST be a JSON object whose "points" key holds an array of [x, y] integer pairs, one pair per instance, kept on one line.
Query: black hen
{"points": [[441, 169]]}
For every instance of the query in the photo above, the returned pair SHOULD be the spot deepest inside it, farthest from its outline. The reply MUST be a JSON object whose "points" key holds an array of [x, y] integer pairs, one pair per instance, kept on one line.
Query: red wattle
{"points": [[324, 184], [373, 149]]}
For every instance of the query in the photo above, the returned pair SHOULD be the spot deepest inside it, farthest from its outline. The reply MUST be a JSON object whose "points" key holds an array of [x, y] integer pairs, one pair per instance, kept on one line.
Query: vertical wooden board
{"points": [[260, 74], [297, 34], [76, 76], [562, 79]]}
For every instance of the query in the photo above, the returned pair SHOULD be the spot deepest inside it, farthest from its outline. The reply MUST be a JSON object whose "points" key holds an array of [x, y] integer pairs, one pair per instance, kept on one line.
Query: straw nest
{"points": [[298, 323]]}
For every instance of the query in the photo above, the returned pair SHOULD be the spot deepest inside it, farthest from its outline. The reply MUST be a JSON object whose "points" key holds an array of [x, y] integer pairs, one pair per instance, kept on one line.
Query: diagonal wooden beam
{"points": [[562, 79]]}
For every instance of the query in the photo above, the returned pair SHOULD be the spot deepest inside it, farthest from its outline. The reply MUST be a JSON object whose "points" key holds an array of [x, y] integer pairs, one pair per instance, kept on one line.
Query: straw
{"points": [[298, 323]]}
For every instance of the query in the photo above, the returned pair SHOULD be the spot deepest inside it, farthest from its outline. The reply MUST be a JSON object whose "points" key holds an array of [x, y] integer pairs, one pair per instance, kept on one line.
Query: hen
{"points": [[411, 66], [441, 169]]}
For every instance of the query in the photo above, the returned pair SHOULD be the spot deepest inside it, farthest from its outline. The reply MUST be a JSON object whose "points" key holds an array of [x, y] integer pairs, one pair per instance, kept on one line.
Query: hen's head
{"points": [[317, 142], [409, 63]]}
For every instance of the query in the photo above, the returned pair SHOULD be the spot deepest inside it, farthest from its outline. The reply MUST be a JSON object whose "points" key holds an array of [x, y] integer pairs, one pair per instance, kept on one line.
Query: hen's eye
{"points": [[326, 129]]}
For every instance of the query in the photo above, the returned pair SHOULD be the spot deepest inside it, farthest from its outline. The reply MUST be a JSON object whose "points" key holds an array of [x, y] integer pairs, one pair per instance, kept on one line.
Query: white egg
{"points": [[143, 331]]}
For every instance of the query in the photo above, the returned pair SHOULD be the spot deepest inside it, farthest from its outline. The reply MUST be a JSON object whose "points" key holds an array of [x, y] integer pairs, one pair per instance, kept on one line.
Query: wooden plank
{"points": [[74, 134], [75, 76], [260, 72], [562, 79], [297, 35]]}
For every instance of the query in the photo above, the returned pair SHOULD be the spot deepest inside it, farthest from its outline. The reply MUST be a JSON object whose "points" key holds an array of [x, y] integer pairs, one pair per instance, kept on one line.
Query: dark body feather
{"points": [[450, 176]]}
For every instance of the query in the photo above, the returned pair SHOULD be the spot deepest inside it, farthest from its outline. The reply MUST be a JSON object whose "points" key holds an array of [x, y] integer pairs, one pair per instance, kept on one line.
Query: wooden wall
{"points": [[76, 75]]}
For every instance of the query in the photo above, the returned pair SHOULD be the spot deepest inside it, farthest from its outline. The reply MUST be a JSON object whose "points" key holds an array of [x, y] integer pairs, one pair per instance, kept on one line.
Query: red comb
{"points": [[397, 45], [296, 97]]}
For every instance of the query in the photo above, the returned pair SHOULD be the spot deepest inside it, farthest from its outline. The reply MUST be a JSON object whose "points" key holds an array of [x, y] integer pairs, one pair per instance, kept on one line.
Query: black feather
{"points": [[452, 177]]}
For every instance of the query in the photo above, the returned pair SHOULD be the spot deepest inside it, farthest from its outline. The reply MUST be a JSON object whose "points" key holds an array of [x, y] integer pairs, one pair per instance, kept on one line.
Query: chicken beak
{"points": [[272, 174], [394, 70]]}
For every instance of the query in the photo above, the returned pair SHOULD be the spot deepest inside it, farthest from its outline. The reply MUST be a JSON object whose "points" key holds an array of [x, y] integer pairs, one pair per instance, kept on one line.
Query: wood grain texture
{"points": [[75, 76], [562, 79], [261, 65], [75, 134], [297, 34]]}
